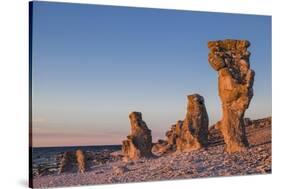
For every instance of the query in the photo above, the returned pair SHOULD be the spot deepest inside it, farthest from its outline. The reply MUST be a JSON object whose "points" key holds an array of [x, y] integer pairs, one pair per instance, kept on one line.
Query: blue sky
{"points": [[93, 65]]}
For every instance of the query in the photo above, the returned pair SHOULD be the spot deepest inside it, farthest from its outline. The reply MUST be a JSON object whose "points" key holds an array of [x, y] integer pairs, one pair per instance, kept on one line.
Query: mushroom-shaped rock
{"points": [[139, 142], [230, 58]]}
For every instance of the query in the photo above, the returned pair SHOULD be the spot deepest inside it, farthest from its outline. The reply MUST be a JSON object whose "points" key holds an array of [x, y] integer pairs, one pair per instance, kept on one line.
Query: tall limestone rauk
{"points": [[230, 58], [189, 134], [139, 143], [194, 129]]}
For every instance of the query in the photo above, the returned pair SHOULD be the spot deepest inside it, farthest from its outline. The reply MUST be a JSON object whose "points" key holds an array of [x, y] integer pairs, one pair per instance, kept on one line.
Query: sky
{"points": [[92, 65]]}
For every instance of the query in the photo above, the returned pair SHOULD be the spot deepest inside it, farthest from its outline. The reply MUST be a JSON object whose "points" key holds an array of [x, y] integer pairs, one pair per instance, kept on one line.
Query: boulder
{"points": [[230, 58], [139, 143]]}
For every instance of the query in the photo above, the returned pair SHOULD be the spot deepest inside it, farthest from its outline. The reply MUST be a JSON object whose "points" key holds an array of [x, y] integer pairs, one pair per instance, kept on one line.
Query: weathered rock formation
{"points": [[73, 161], [190, 134], [81, 161], [252, 127], [161, 147], [194, 129], [168, 145], [174, 133], [230, 58], [68, 162], [139, 142]]}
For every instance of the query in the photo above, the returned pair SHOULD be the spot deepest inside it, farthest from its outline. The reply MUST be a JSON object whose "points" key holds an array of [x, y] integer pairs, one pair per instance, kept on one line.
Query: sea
{"points": [[45, 159]]}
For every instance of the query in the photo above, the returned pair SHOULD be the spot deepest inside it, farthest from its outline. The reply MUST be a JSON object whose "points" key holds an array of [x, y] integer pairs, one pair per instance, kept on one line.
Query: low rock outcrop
{"points": [[73, 161], [230, 58], [161, 147], [174, 133], [194, 129], [139, 143], [170, 144], [68, 162]]}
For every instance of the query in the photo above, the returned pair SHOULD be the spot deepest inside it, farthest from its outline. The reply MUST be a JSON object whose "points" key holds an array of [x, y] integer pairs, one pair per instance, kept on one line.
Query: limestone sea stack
{"points": [[81, 161], [230, 58], [139, 143], [73, 160], [194, 129]]}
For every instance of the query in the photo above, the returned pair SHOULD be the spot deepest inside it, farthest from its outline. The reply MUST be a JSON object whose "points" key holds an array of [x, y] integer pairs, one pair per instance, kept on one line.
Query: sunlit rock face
{"points": [[73, 161], [169, 145], [139, 143], [230, 58], [194, 129], [81, 161], [174, 133]]}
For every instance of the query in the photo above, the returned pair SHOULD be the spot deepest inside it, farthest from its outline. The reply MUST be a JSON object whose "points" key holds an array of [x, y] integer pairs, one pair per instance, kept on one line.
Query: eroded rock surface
{"points": [[81, 161], [161, 147], [68, 162], [230, 58], [73, 161], [190, 134], [174, 133], [169, 145], [194, 131], [139, 142]]}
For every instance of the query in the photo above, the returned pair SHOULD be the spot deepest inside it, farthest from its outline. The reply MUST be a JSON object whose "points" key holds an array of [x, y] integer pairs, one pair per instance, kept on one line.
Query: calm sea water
{"points": [[46, 157], [54, 150]]}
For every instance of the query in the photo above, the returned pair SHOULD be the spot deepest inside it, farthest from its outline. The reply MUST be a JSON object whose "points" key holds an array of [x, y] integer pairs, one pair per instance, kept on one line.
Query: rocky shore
{"points": [[205, 162], [235, 145], [53, 164]]}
